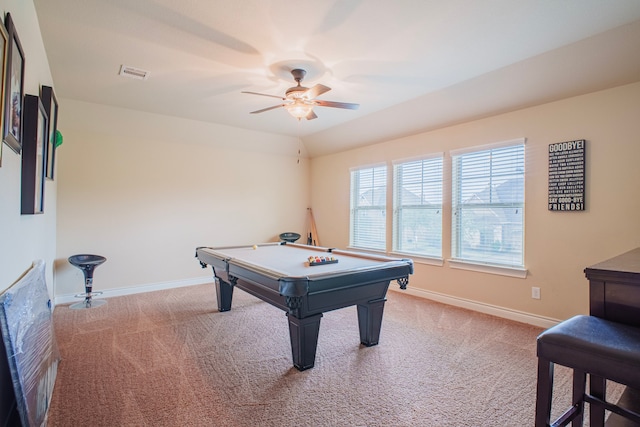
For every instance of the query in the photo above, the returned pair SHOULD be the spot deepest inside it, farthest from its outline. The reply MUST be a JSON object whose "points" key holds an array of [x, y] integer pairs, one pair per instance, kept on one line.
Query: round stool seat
{"points": [[86, 260], [289, 237], [87, 263]]}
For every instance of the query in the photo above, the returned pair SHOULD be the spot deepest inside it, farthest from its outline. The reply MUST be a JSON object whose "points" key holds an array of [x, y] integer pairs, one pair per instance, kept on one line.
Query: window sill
{"points": [[419, 259], [367, 251], [517, 272]]}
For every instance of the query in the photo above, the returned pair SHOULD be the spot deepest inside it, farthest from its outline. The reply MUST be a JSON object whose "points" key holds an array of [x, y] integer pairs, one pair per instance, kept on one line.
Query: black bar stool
{"points": [[87, 263], [603, 350], [289, 237]]}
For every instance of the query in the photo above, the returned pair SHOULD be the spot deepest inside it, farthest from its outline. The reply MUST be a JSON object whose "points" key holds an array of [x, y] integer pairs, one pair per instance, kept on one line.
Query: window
{"points": [[488, 204], [417, 207], [368, 208]]}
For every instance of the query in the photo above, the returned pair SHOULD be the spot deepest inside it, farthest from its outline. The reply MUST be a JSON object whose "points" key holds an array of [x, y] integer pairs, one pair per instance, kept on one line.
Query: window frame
{"points": [[430, 162], [357, 232], [483, 262]]}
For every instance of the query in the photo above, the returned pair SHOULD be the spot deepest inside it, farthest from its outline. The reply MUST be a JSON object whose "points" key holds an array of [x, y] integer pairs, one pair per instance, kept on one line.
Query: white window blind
{"points": [[488, 205], [417, 213], [368, 208]]}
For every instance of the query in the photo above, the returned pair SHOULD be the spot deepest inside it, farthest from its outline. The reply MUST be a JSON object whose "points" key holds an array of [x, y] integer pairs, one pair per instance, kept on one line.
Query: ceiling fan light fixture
{"points": [[296, 92], [299, 100], [299, 109]]}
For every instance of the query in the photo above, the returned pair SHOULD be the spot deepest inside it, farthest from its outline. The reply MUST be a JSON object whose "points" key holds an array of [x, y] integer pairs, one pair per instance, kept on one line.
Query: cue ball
{"points": [[255, 246]]}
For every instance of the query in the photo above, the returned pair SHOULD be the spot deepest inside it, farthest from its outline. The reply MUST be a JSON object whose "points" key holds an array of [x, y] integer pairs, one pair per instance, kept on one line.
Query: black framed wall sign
{"points": [[50, 104], [14, 89], [34, 145], [566, 175]]}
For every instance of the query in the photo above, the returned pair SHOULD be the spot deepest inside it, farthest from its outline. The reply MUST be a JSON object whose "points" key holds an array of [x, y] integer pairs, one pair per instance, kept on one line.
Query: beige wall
{"points": [[145, 190], [558, 245], [25, 238]]}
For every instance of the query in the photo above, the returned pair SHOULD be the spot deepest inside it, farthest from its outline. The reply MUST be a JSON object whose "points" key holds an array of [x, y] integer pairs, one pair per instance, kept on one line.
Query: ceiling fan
{"points": [[299, 100]]}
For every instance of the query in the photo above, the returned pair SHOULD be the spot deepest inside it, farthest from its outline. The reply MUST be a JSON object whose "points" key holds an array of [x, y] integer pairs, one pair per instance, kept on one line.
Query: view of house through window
{"points": [[417, 206], [488, 204], [369, 208]]}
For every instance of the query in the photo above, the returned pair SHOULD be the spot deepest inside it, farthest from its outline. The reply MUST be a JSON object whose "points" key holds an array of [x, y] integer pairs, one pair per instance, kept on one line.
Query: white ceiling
{"points": [[412, 65]]}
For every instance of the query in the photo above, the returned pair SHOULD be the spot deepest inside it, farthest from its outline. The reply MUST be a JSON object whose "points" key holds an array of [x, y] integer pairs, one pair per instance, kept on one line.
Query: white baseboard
{"points": [[505, 313], [65, 299]]}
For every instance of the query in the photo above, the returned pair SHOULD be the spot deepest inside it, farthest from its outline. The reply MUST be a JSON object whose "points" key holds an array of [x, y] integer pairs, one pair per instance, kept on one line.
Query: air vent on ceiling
{"points": [[134, 73]]}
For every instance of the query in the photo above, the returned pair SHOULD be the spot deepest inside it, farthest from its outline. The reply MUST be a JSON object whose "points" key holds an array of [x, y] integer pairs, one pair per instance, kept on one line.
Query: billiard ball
{"points": [[255, 247]]}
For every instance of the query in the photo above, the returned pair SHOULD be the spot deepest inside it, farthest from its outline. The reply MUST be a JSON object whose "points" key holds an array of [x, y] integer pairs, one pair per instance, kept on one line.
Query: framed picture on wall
{"points": [[34, 152], [13, 88], [50, 104], [4, 43]]}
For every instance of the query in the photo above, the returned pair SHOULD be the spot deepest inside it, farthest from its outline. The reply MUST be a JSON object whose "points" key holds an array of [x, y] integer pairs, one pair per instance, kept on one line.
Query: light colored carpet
{"points": [[169, 358]]}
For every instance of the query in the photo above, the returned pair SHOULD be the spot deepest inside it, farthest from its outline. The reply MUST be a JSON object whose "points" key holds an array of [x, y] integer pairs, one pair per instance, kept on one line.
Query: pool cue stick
{"points": [[314, 232]]}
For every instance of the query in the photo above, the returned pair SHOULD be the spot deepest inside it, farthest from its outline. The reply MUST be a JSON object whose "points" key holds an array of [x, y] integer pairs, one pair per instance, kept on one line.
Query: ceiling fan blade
{"points": [[267, 109], [264, 94], [317, 90], [346, 105], [311, 115]]}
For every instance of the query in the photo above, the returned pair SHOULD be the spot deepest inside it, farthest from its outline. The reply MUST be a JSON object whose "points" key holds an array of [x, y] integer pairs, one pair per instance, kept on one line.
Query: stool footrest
{"points": [[626, 413], [568, 416], [84, 295]]}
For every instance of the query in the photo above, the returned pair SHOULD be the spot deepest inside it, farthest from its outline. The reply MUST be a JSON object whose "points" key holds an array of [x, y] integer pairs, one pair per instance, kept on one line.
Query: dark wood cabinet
{"points": [[614, 288], [614, 294]]}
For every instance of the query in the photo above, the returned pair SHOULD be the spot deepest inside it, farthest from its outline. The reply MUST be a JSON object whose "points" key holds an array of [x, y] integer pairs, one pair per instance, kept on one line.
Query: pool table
{"points": [[282, 275]]}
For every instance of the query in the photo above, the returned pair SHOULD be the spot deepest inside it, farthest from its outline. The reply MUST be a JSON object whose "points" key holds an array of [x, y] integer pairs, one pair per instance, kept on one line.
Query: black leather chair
{"points": [[589, 345]]}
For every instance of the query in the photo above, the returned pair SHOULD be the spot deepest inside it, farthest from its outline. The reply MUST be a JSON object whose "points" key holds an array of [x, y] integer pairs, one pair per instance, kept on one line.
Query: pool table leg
{"points": [[304, 340], [224, 293], [370, 321]]}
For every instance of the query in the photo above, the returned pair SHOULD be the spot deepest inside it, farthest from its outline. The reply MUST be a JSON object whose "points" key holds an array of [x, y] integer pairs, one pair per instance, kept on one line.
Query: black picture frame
{"points": [[567, 174], [4, 44], [50, 103], [34, 145], [14, 89]]}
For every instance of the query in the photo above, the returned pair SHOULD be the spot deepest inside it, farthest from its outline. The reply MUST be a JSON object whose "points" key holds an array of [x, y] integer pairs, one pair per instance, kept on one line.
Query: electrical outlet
{"points": [[535, 292]]}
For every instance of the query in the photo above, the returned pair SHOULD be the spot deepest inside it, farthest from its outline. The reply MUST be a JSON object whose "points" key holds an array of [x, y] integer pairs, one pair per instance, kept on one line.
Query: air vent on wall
{"points": [[134, 73]]}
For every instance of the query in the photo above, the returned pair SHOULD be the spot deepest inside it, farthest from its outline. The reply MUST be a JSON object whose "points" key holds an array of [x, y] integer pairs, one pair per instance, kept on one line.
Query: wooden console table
{"points": [[614, 288], [614, 294]]}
